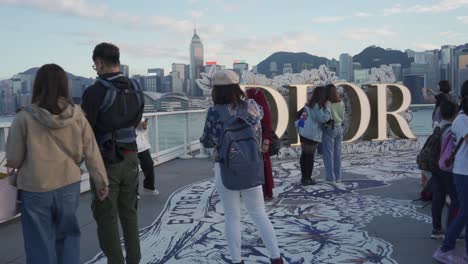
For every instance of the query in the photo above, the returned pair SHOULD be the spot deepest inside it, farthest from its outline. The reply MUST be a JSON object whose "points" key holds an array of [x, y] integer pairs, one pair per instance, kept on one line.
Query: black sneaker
{"points": [[307, 182], [437, 234]]}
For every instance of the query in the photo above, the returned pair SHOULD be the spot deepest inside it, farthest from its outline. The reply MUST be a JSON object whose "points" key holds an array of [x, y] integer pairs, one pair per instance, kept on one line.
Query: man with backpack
{"points": [[442, 177], [114, 106]]}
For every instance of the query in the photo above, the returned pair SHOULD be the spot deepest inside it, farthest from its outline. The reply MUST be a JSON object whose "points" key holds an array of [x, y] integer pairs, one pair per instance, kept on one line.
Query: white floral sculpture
{"points": [[314, 77], [385, 74]]}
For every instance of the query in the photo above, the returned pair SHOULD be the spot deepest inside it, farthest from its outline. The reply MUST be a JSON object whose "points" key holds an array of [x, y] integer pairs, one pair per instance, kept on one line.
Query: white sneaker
{"points": [[331, 183], [338, 181], [151, 192]]}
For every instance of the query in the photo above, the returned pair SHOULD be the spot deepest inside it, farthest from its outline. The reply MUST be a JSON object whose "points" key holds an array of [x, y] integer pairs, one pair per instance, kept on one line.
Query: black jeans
{"points": [[307, 159], [147, 165], [442, 184]]}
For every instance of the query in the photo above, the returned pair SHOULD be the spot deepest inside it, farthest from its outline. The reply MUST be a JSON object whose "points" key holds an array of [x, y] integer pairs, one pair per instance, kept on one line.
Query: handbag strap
{"points": [[459, 144]]}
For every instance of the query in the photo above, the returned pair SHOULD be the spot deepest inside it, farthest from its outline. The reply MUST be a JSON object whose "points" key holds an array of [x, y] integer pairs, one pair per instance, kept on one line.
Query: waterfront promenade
{"points": [[369, 218]]}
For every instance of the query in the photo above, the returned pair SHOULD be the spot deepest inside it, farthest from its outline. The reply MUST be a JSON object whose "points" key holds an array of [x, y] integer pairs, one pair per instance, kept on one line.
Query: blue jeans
{"points": [[50, 228], [331, 147], [461, 220]]}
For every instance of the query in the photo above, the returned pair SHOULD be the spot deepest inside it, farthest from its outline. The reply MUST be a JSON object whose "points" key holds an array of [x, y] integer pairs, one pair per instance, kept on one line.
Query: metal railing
{"points": [[171, 134]]}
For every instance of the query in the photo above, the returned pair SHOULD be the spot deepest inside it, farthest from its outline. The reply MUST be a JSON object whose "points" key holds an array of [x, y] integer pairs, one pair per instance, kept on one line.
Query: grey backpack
{"points": [[239, 152]]}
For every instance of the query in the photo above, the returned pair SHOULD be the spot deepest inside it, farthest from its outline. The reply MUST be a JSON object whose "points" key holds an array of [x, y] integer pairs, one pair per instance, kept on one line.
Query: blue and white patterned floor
{"points": [[314, 224]]}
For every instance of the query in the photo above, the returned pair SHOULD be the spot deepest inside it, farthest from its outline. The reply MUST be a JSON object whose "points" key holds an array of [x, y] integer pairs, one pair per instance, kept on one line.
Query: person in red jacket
{"points": [[259, 97]]}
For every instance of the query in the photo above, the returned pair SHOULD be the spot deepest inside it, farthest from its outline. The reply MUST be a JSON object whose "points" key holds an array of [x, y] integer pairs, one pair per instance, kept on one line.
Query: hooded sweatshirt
{"points": [[40, 145]]}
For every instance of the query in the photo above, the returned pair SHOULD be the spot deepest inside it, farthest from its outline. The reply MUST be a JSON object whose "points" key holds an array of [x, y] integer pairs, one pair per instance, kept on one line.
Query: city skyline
{"points": [[156, 35]]}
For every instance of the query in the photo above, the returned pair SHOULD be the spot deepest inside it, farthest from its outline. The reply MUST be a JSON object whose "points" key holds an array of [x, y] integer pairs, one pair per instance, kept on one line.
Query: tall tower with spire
{"points": [[196, 63]]}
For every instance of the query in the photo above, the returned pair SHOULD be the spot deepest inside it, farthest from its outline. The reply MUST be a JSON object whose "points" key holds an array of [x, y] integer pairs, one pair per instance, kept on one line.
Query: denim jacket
{"points": [[214, 126], [312, 128]]}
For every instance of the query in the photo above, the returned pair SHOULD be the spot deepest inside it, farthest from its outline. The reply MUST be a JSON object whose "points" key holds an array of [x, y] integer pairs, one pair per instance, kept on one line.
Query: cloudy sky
{"points": [[154, 34]]}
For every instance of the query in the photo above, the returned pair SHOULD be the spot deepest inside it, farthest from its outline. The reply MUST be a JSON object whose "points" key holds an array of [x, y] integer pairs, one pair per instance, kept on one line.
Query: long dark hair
{"points": [[318, 97], [50, 84], [332, 93], [227, 94]]}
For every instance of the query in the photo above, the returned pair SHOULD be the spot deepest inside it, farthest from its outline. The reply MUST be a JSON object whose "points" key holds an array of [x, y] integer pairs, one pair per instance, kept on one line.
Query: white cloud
{"points": [[328, 19], [393, 10], [426, 46], [101, 12], [463, 19], [363, 14], [196, 14], [69, 7], [369, 33], [226, 51], [437, 7], [451, 34]]}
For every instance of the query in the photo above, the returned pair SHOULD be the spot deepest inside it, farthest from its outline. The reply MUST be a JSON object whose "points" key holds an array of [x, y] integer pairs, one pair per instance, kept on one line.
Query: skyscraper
{"points": [[157, 71], [125, 69], [346, 67], [196, 64], [446, 63], [179, 68], [460, 68], [396, 68]]}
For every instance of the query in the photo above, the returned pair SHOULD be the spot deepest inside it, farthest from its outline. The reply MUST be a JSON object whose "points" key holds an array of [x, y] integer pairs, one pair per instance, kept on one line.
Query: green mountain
{"points": [[298, 60], [374, 56]]}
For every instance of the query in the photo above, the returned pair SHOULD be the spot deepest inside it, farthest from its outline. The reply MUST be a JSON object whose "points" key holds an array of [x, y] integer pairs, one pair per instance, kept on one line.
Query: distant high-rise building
{"points": [[446, 54], [152, 83], [361, 76], [415, 78], [24, 82], [177, 82], [181, 69], [460, 69], [212, 65], [446, 63], [287, 68], [333, 65], [423, 57], [410, 53], [157, 71], [346, 67], [125, 69], [396, 68], [196, 64], [167, 84], [429, 62], [357, 66], [240, 66]]}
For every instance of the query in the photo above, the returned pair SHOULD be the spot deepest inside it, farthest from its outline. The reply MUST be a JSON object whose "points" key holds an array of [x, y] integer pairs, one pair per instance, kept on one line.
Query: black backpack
{"points": [[428, 158]]}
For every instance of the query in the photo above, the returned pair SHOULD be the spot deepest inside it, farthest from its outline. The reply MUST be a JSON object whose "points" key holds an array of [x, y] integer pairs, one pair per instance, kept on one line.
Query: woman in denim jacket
{"points": [[311, 117], [227, 93]]}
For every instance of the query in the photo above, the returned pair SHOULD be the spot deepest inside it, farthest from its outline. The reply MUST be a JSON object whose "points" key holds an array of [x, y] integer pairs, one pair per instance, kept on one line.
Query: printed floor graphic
{"points": [[322, 223]]}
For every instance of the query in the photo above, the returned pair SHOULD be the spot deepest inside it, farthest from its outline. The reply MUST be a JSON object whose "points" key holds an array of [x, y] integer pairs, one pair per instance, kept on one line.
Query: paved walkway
{"points": [[369, 218]]}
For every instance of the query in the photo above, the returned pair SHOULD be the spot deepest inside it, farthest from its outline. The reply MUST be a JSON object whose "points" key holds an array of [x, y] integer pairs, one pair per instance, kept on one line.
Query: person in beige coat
{"points": [[47, 143]]}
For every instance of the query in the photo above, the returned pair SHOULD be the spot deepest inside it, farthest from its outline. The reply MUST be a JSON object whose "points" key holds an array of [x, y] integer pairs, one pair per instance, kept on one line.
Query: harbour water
{"points": [[171, 130]]}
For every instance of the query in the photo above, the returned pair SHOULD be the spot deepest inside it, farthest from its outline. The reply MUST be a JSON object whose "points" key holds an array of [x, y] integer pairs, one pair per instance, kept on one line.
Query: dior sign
{"points": [[370, 113]]}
